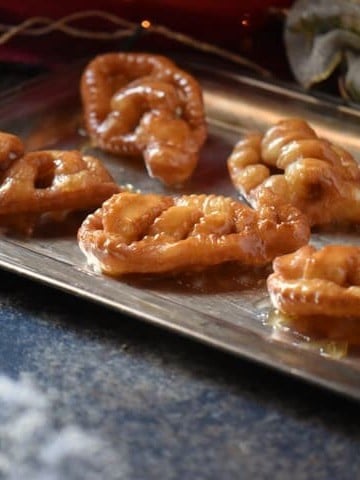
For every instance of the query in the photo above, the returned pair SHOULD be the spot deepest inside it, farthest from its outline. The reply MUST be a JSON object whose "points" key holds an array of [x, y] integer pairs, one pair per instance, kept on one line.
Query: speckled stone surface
{"points": [[87, 393]]}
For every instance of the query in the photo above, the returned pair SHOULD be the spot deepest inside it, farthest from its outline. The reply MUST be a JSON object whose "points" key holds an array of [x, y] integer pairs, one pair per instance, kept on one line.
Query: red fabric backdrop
{"points": [[245, 27]]}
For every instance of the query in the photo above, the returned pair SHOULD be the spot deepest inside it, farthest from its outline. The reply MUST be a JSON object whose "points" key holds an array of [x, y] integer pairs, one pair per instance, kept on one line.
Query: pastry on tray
{"points": [[323, 282], [313, 174], [47, 181], [144, 105], [149, 233]]}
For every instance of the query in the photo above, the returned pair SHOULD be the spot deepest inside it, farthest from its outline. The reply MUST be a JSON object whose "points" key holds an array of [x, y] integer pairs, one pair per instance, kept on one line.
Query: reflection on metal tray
{"points": [[229, 311]]}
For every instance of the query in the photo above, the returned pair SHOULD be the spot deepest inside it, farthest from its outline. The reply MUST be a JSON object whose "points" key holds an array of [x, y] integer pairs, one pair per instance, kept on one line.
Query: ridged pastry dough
{"points": [[148, 233], [143, 104]]}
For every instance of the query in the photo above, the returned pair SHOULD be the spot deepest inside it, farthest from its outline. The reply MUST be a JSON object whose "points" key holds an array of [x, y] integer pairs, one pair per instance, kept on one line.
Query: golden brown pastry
{"points": [[48, 181], [148, 233], [314, 175], [11, 148], [311, 282], [54, 180], [143, 104]]}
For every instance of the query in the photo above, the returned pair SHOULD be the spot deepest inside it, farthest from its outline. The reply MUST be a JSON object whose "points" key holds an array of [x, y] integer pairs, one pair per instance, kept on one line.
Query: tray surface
{"points": [[227, 309]]}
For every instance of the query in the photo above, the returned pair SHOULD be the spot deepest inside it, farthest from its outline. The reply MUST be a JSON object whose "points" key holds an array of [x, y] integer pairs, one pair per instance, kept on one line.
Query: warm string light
{"points": [[37, 26], [146, 24]]}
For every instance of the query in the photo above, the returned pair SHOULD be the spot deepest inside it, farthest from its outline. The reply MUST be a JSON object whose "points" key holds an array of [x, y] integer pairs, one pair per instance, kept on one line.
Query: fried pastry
{"points": [[313, 174], [311, 282], [11, 148], [148, 233], [47, 181], [143, 104], [54, 180]]}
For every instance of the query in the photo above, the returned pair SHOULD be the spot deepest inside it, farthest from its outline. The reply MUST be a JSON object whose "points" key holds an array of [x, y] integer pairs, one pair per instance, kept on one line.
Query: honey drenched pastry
{"points": [[48, 181], [11, 148], [54, 180], [148, 233], [313, 174], [311, 282], [142, 104]]}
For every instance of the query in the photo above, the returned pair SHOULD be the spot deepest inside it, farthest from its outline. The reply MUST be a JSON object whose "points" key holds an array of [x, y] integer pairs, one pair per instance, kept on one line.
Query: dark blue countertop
{"points": [[88, 393]]}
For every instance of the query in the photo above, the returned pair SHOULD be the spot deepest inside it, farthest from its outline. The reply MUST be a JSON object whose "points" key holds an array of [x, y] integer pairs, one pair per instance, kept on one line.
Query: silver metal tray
{"points": [[224, 309]]}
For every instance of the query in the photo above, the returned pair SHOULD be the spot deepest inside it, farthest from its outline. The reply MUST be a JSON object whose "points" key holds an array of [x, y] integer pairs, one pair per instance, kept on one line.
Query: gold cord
{"points": [[37, 26]]}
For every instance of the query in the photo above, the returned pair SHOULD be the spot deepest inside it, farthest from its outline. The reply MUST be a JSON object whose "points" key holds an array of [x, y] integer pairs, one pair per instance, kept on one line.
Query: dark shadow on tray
{"points": [[229, 277], [54, 225], [68, 227]]}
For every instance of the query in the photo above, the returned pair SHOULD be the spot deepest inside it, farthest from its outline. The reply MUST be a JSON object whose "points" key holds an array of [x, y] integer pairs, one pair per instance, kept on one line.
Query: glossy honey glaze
{"points": [[330, 336]]}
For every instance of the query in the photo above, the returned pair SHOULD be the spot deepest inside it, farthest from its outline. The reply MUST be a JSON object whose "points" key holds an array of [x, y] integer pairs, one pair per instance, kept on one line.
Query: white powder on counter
{"points": [[31, 447]]}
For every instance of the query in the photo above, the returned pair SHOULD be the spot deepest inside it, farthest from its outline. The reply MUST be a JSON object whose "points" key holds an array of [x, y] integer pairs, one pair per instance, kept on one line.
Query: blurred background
{"points": [[312, 43], [252, 29]]}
